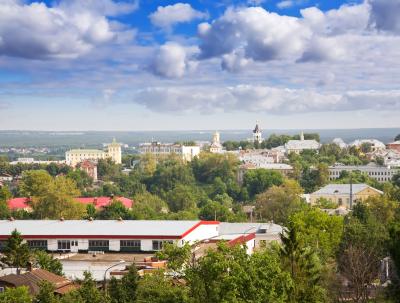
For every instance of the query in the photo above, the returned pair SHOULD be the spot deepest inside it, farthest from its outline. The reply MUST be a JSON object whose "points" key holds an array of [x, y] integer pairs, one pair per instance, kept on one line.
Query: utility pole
{"points": [[351, 191]]}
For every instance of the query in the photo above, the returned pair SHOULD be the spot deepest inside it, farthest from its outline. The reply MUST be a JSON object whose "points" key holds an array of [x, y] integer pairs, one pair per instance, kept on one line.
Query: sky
{"points": [[205, 64]]}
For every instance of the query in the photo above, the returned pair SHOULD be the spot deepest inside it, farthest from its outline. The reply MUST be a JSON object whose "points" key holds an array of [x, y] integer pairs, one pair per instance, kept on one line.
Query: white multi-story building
{"points": [[75, 156], [297, 146], [374, 171], [187, 153]]}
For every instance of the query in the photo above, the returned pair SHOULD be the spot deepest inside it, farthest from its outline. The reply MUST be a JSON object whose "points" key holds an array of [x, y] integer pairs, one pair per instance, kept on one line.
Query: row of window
{"points": [[373, 173], [67, 244]]}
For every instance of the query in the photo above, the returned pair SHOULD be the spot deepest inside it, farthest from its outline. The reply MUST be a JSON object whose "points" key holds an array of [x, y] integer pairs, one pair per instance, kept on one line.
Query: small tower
{"points": [[114, 152], [216, 146], [302, 136], [257, 134]]}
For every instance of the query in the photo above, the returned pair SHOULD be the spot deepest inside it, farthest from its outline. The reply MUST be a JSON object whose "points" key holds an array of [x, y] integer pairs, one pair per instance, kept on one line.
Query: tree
{"points": [[229, 274], [5, 195], [46, 261], [107, 170], [156, 288], [114, 211], [59, 201], [16, 253], [304, 267], [15, 295], [318, 230], [148, 206], [35, 183], [177, 257], [257, 181], [81, 178], [169, 174], [361, 251], [130, 284], [46, 293], [88, 292], [279, 202], [397, 138], [182, 197]]}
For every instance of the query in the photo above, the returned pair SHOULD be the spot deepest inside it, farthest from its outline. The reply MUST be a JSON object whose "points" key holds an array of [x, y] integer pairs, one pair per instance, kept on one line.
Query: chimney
{"points": [[120, 219], [90, 219], [29, 266], [95, 201], [62, 219], [11, 219]]}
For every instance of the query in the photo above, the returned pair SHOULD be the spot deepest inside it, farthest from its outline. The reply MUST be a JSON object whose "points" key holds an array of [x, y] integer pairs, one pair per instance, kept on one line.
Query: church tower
{"points": [[114, 152], [216, 146], [257, 134]]}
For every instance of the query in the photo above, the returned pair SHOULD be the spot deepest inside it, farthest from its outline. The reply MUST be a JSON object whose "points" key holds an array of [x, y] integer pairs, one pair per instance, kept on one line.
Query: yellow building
{"points": [[340, 194], [75, 156]]}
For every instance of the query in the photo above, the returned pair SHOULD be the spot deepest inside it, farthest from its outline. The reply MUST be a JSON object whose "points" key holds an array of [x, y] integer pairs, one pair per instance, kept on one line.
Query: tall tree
{"points": [[46, 261], [16, 253], [259, 180]]}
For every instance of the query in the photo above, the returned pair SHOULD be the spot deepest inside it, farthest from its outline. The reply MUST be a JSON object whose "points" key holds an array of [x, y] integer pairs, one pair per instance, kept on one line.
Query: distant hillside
{"points": [[133, 138]]}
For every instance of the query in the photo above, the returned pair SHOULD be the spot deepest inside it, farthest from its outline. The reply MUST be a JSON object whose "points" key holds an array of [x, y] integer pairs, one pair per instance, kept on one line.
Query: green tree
{"points": [[15, 295], [397, 138], [304, 267], [258, 180], [147, 206], [59, 201], [183, 197], [35, 183], [46, 293], [81, 178], [279, 202], [114, 211], [177, 257], [88, 292], [46, 261], [16, 253], [156, 288], [129, 284], [318, 230], [5, 195]]}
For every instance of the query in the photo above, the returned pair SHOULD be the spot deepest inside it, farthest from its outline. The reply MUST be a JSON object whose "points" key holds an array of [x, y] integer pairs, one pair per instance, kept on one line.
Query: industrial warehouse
{"points": [[132, 235]]}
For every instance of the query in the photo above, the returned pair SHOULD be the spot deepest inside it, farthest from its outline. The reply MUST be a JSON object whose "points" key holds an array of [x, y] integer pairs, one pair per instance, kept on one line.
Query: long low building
{"points": [[133, 235], [378, 172], [106, 235]]}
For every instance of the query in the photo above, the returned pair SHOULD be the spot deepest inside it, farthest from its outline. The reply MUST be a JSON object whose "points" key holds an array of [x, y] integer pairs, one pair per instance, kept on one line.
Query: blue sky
{"points": [[154, 65]]}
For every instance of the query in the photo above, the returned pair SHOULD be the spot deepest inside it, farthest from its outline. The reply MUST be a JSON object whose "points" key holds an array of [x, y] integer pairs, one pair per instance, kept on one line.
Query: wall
{"points": [[202, 232]]}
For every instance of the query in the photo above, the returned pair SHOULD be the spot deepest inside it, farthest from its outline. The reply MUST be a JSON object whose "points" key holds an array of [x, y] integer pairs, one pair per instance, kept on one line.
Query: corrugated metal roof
{"points": [[96, 227], [342, 189]]}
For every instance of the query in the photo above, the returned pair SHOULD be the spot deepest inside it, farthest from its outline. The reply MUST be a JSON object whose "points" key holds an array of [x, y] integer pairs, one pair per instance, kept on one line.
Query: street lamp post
{"points": [[105, 274]]}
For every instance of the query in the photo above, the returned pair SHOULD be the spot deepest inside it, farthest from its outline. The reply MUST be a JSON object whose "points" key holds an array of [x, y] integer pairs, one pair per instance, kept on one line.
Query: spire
{"points": [[302, 136]]}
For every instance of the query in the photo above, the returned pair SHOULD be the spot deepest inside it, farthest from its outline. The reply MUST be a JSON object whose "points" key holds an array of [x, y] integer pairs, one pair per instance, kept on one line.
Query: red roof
{"points": [[18, 203], [104, 201], [98, 202]]}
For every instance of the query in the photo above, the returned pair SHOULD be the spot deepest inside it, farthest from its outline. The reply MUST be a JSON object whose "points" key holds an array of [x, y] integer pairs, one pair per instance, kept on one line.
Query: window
{"points": [[37, 244], [3, 244], [99, 245], [64, 244], [130, 245], [1, 289], [158, 244]]}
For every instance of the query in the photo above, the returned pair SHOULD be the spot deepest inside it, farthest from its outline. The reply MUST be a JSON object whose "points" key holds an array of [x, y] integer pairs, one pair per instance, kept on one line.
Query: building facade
{"points": [[340, 194], [374, 171], [187, 153], [394, 146], [76, 156], [297, 146], [107, 235]]}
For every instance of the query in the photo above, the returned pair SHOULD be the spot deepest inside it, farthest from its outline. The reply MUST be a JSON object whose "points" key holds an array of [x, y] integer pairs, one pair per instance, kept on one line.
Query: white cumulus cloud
{"points": [[37, 31], [172, 61], [167, 16]]}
